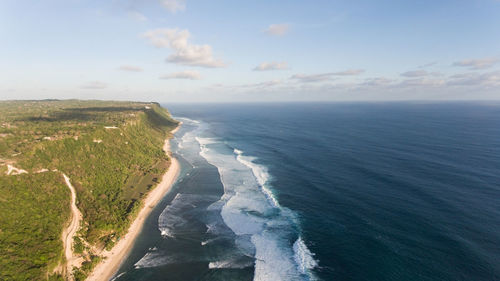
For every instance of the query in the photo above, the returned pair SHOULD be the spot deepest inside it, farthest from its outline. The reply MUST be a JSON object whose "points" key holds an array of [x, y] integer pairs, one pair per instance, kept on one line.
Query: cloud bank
{"points": [[349, 72], [469, 86], [310, 78], [415, 73], [477, 63], [188, 74], [488, 79], [271, 66]]}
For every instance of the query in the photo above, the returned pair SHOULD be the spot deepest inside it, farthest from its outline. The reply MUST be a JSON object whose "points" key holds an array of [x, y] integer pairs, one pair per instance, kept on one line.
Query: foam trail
{"points": [[203, 243], [117, 276], [152, 259], [303, 256], [229, 264], [260, 174], [185, 119], [170, 219]]}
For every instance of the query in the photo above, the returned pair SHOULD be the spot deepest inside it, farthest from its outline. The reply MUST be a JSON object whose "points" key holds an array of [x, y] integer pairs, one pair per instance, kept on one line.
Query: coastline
{"points": [[113, 258]]}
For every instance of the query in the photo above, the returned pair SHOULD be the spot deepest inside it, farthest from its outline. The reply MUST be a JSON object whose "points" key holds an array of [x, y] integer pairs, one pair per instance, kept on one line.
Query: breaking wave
{"points": [[303, 256], [252, 211]]}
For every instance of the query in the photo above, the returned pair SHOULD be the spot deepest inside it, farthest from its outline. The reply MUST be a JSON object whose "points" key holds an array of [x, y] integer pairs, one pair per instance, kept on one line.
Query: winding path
{"points": [[70, 232]]}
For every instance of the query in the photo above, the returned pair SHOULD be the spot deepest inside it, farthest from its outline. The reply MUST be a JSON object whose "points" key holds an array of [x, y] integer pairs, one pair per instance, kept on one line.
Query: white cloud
{"points": [[278, 29], [271, 66], [94, 85], [265, 84], [470, 85], [378, 81], [188, 74], [485, 80], [184, 52], [130, 68], [415, 73], [137, 16], [259, 85], [489, 79], [174, 5], [422, 82], [349, 72], [310, 78], [428, 64], [477, 63]]}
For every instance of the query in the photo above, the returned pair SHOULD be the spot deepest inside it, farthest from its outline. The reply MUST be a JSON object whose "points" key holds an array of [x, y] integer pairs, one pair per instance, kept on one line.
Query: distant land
{"points": [[74, 172]]}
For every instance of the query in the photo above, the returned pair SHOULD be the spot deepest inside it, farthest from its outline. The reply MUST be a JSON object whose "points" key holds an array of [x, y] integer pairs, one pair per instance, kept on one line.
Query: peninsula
{"points": [[77, 180]]}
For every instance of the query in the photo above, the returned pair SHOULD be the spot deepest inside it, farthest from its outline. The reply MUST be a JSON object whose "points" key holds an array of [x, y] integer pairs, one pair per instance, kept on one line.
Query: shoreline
{"points": [[114, 258]]}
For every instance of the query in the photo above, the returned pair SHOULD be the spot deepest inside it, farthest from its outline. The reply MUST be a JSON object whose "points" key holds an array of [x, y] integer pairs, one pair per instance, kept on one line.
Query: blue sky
{"points": [[218, 51]]}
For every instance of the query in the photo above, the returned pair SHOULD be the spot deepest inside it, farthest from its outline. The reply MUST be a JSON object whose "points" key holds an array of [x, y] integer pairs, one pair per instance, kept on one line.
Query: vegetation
{"points": [[111, 151], [81, 273], [33, 209]]}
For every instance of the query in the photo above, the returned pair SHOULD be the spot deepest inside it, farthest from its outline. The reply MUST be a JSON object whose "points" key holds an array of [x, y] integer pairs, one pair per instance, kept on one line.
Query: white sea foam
{"points": [[167, 233], [152, 259], [229, 264], [205, 141], [160, 258], [170, 221], [273, 262], [261, 174], [220, 264], [203, 243], [185, 138], [252, 212], [186, 120], [211, 228], [303, 256], [117, 276]]}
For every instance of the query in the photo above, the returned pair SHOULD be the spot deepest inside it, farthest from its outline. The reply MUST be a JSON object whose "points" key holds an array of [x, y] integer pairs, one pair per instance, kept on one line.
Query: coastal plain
{"points": [[112, 153]]}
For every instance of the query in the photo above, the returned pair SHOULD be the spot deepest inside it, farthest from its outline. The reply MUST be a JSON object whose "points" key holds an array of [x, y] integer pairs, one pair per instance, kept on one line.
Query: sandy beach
{"points": [[113, 258]]}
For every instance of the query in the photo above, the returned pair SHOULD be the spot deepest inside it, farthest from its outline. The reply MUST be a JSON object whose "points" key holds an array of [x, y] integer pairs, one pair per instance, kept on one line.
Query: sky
{"points": [[250, 51]]}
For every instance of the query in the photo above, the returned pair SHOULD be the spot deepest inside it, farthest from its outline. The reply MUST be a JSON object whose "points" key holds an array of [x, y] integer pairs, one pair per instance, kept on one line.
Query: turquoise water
{"points": [[389, 191]]}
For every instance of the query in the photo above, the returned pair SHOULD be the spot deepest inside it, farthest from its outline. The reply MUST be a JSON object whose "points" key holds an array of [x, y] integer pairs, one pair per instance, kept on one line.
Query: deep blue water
{"points": [[361, 191]]}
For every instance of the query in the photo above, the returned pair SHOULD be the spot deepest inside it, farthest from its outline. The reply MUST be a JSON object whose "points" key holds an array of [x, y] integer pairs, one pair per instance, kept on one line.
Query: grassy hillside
{"points": [[111, 151], [33, 209]]}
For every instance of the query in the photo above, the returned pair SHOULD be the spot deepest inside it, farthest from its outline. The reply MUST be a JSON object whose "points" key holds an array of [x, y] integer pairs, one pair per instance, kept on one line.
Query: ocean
{"points": [[328, 191]]}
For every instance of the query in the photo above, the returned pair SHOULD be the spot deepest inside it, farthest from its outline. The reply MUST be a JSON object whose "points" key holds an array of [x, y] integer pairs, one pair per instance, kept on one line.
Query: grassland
{"points": [[112, 151]]}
